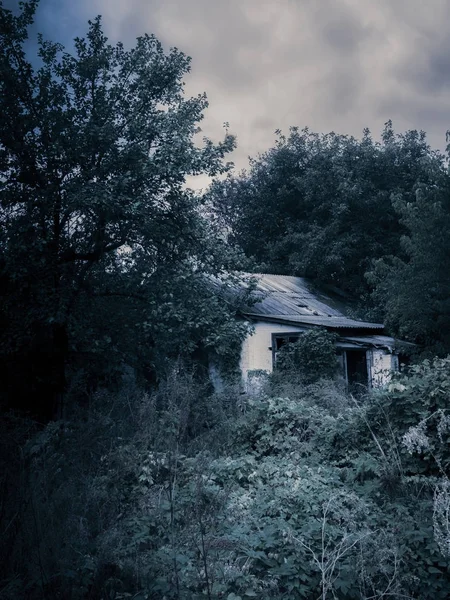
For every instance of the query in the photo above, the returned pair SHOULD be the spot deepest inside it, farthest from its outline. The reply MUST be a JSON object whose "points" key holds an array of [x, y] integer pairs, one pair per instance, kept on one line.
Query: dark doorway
{"points": [[404, 362], [357, 367]]}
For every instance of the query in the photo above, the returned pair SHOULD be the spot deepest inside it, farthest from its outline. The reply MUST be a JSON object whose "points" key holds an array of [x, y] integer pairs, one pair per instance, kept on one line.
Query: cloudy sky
{"points": [[331, 65]]}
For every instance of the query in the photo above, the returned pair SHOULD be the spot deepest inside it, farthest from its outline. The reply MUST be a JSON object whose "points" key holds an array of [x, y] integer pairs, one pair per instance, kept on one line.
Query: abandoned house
{"points": [[287, 306]]}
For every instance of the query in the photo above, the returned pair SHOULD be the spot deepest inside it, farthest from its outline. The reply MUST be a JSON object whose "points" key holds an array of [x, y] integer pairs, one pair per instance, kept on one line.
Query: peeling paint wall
{"points": [[383, 363]]}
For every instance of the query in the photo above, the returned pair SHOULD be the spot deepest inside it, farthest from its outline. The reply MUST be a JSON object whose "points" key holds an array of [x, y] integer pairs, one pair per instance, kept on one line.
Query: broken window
{"points": [[279, 340], [285, 339]]}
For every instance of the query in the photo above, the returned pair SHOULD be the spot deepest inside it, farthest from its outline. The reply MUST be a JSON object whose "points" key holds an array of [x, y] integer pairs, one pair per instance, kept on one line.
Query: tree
{"points": [[320, 205], [414, 292], [94, 152]]}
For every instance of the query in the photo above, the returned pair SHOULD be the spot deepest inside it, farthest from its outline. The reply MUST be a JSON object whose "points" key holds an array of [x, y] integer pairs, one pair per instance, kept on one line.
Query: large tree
{"points": [[321, 205], [95, 148], [414, 292]]}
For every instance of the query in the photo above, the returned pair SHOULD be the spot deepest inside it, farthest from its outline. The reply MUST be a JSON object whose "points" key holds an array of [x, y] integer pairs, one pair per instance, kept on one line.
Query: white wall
{"points": [[256, 353], [382, 365]]}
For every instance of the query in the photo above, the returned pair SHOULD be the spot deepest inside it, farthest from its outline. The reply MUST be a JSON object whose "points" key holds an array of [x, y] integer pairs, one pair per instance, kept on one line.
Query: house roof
{"points": [[293, 300], [380, 341], [332, 322]]}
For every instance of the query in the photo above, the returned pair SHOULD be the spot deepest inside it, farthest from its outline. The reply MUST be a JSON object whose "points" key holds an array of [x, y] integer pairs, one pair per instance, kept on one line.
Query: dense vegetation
{"points": [[123, 473], [298, 493], [370, 218], [103, 251]]}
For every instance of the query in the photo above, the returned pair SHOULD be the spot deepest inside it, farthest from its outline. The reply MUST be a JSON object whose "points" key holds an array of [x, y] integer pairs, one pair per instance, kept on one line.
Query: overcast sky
{"points": [[331, 65]]}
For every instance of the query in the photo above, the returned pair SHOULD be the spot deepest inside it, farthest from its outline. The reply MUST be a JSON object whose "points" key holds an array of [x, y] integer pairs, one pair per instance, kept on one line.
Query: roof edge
{"points": [[345, 322]]}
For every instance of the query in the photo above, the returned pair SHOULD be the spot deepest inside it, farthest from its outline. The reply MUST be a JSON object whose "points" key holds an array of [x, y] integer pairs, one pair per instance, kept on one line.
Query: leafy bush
{"points": [[185, 494], [311, 357]]}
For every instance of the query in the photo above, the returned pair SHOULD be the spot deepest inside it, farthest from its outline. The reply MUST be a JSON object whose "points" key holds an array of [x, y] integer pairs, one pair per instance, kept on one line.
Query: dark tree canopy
{"points": [[320, 205], [414, 292], [95, 148], [371, 218]]}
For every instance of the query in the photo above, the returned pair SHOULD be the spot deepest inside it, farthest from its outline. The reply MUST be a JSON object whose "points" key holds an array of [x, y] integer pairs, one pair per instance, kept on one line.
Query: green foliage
{"points": [[416, 405], [320, 205], [279, 425], [103, 251], [312, 356], [181, 494], [414, 291], [368, 218]]}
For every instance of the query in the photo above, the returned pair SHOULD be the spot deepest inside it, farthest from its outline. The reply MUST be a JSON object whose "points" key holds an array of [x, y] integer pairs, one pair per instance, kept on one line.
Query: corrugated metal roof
{"points": [[284, 295], [334, 322], [290, 299], [384, 341]]}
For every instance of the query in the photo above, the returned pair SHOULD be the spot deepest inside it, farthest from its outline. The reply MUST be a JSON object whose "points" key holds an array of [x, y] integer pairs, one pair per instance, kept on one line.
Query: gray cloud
{"points": [[267, 64], [341, 27], [438, 72], [428, 71], [344, 89]]}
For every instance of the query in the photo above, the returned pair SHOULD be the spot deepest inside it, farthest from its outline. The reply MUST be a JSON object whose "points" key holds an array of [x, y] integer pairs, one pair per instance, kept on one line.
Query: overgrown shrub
{"points": [[311, 357], [184, 494]]}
